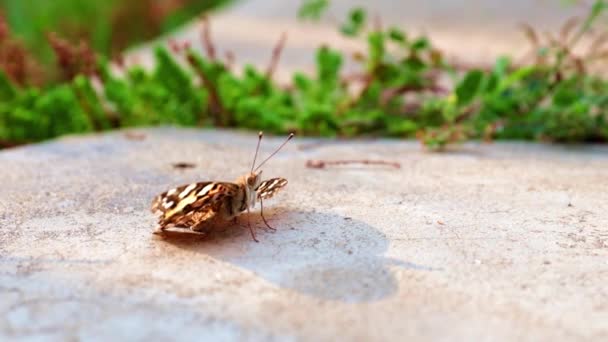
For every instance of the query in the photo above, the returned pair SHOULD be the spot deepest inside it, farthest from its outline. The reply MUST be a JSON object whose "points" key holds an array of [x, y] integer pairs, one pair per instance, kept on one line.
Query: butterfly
{"points": [[201, 206]]}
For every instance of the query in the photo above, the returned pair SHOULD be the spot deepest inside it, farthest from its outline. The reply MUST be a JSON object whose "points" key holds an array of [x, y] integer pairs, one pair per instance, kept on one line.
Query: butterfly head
{"points": [[253, 179]]}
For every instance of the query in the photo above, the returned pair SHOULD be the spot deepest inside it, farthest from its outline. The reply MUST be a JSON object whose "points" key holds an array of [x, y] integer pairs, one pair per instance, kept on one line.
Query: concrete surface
{"points": [[495, 242], [469, 31]]}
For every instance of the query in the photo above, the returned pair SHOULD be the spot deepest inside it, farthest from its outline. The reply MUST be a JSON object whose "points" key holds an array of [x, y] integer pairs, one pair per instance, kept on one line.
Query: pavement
{"points": [[500, 242]]}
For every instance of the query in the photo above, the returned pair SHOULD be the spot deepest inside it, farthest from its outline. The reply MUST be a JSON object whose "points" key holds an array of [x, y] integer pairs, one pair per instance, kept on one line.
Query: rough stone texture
{"points": [[488, 242]]}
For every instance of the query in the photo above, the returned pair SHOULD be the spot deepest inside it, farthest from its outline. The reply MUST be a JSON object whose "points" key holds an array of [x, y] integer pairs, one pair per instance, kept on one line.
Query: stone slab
{"points": [[497, 242]]}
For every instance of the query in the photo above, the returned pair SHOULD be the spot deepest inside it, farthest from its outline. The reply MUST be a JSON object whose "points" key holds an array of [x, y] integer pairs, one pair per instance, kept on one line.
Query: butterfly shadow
{"points": [[318, 254]]}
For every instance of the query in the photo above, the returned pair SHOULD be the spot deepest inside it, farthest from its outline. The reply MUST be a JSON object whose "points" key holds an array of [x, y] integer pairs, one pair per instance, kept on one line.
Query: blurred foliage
{"points": [[400, 91], [107, 26], [313, 9]]}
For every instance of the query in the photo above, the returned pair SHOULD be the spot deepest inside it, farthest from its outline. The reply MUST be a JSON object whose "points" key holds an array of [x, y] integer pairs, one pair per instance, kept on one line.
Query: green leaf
{"points": [[516, 76], [420, 44], [312, 9], [7, 90], [596, 10], [469, 87], [90, 102], [376, 48], [567, 93], [490, 83], [501, 68], [328, 65], [397, 35], [354, 23], [401, 127]]}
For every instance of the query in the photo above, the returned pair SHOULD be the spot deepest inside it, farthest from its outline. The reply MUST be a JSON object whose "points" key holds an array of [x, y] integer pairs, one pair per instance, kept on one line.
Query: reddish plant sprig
{"points": [[206, 39], [73, 59], [276, 55]]}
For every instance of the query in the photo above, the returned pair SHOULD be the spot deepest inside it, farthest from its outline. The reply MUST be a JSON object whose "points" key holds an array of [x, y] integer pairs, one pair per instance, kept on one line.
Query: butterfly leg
{"points": [[263, 218], [249, 225], [160, 230]]}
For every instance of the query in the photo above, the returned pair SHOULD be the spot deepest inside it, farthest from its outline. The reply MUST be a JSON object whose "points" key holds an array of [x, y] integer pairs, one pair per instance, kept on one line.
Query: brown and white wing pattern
{"points": [[191, 204], [270, 187]]}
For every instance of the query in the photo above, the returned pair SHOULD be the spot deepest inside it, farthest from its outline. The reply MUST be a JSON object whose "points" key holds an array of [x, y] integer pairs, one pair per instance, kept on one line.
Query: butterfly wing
{"points": [[270, 187], [192, 203]]}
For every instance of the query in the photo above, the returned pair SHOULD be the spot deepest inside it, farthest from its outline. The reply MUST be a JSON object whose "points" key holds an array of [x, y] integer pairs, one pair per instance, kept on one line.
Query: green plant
{"points": [[552, 96], [398, 92]]}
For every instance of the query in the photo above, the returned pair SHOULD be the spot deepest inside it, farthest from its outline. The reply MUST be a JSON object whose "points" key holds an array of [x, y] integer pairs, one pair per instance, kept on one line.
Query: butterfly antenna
{"points": [[277, 150], [260, 135]]}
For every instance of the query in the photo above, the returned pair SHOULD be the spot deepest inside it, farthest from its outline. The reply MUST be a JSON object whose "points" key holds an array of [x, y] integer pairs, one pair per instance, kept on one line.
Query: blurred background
{"points": [[476, 30]]}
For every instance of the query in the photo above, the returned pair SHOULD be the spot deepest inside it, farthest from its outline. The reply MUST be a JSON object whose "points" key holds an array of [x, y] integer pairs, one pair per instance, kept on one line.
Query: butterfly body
{"points": [[201, 206]]}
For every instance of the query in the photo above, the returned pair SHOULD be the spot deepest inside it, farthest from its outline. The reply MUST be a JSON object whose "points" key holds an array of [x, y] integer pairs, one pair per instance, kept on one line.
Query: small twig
{"points": [[215, 104], [377, 23], [321, 164], [276, 55], [468, 66], [567, 29], [411, 108], [88, 111], [597, 44], [229, 60], [206, 38], [135, 136], [178, 47], [391, 93], [355, 77], [119, 61], [173, 45], [183, 165], [531, 35], [4, 31]]}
